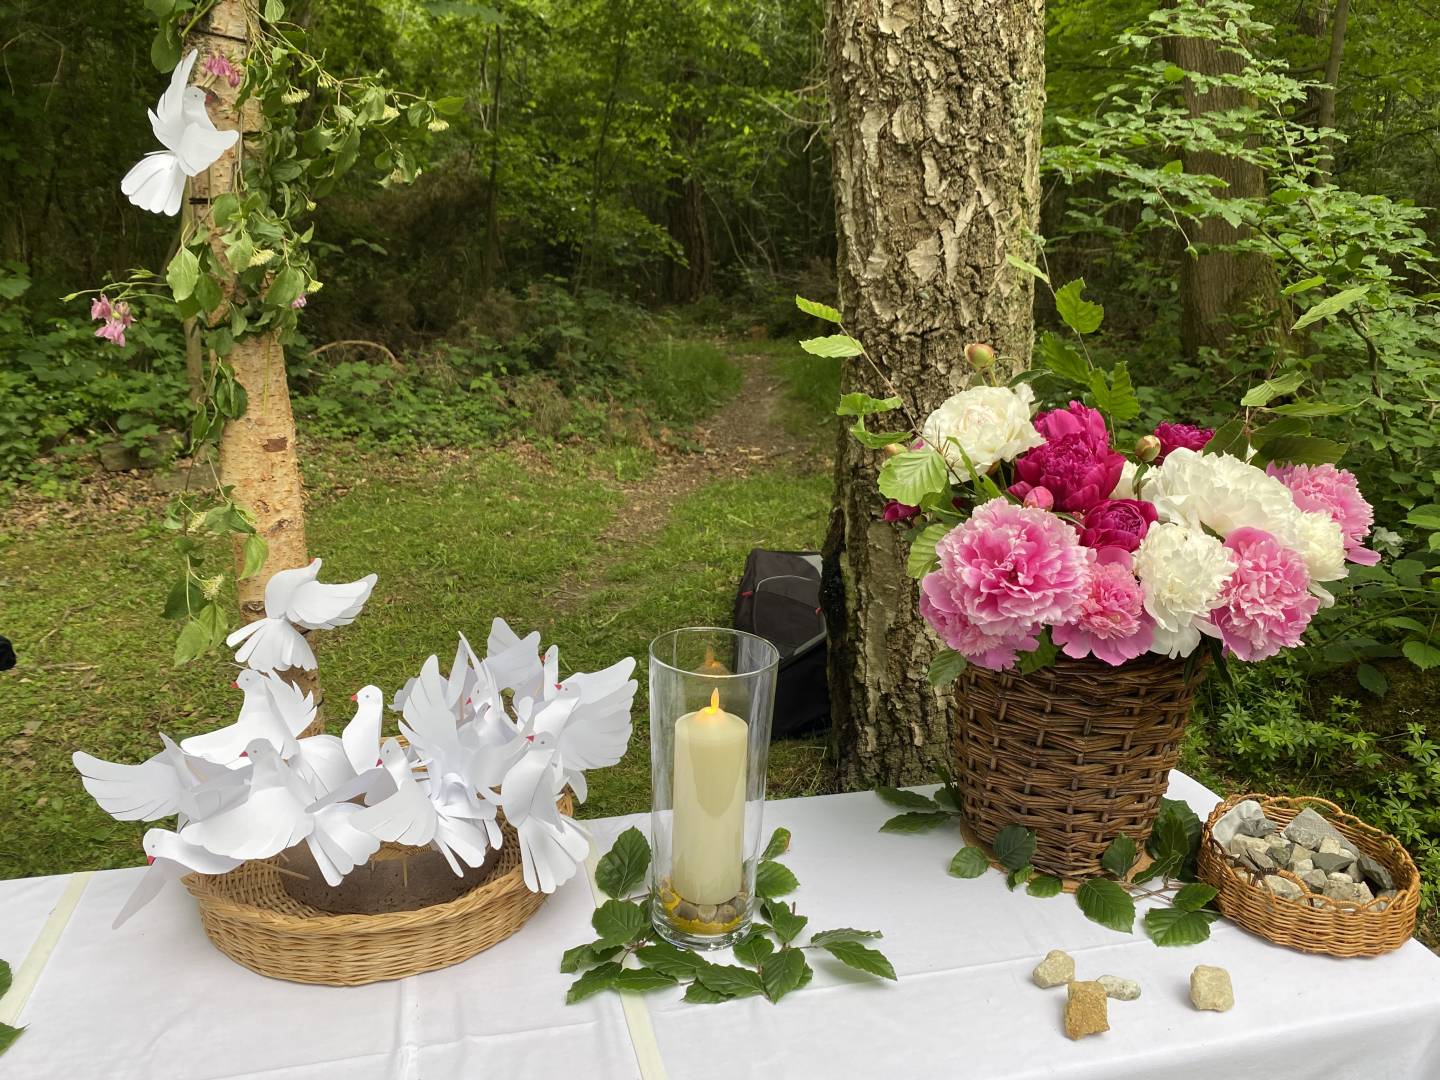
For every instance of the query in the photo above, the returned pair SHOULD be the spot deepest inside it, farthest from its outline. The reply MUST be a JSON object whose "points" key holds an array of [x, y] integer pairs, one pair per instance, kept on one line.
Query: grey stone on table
{"points": [[1301, 853], [1210, 989], [1279, 849], [1243, 819], [1057, 969], [1252, 851], [1303, 867], [1355, 892], [1331, 846], [1315, 880], [1118, 988], [1308, 829], [1374, 872], [1283, 887]]}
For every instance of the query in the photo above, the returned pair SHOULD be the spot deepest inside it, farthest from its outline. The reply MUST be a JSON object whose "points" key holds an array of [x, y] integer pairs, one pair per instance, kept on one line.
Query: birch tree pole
{"points": [[936, 114]]}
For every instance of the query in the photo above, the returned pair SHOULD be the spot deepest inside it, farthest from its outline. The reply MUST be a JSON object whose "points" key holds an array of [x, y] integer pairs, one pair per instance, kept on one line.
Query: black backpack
{"points": [[779, 600]]}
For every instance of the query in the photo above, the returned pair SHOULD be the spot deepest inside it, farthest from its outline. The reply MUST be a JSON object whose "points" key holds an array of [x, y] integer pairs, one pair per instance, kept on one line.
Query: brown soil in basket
{"points": [[395, 879]]}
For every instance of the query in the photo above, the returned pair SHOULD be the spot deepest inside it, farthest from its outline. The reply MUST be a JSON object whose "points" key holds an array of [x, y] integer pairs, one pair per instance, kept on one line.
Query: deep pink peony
{"points": [[939, 607], [1266, 604], [1335, 492], [1076, 463], [1175, 436], [1111, 623], [1005, 573], [1120, 523], [898, 511]]}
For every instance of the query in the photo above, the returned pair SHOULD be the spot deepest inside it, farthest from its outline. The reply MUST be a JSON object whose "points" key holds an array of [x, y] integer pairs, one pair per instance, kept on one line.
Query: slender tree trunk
{"points": [[687, 278], [1219, 286], [257, 452], [936, 112], [491, 256], [1327, 25]]}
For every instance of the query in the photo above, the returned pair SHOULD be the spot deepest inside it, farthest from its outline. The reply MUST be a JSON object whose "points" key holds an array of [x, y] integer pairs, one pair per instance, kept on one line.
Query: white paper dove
{"points": [[503, 731], [295, 598], [192, 144]]}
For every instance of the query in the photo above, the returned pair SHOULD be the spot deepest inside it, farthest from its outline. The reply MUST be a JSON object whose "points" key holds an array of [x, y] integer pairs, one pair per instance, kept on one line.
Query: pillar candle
{"points": [[709, 837]]}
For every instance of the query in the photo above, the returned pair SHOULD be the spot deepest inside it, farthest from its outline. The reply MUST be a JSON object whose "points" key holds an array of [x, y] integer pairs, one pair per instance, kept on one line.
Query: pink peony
{"points": [[1333, 491], [898, 511], [938, 606], [1076, 463], [1040, 498], [1120, 523], [1266, 604], [1175, 436], [1005, 573], [1111, 623]]}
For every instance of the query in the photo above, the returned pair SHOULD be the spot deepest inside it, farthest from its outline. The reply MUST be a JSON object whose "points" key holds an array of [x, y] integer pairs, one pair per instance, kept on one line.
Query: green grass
{"points": [[455, 538], [681, 380], [811, 388]]}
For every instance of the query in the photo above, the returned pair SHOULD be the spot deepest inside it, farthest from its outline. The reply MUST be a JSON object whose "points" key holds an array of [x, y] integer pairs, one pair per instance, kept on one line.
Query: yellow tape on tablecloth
{"points": [[28, 973]]}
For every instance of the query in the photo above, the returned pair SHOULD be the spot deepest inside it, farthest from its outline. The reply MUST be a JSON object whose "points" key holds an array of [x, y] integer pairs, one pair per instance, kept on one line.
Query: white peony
{"points": [[1182, 571], [1125, 486], [992, 423], [1318, 539]]}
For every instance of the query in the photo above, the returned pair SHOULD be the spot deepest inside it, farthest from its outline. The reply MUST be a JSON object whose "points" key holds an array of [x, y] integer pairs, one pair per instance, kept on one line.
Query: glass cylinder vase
{"points": [[712, 692]]}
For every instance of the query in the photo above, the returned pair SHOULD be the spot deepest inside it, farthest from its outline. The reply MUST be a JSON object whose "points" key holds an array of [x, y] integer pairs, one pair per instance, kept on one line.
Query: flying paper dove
{"points": [[361, 737], [551, 845], [170, 782], [171, 859], [270, 820], [274, 711], [192, 144], [295, 598]]}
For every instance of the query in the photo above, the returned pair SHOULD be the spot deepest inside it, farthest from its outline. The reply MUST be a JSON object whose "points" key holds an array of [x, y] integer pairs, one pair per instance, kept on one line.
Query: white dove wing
{"points": [[550, 853], [372, 785], [271, 645], [143, 792], [361, 737], [338, 846], [294, 707], [168, 120], [457, 838], [514, 662], [225, 745], [201, 143], [272, 819], [280, 589], [173, 860], [318, 606], [529, 788], [406, 817], [322, 763], [494, 746], [596, 733], [429, 719], [156, 183]]}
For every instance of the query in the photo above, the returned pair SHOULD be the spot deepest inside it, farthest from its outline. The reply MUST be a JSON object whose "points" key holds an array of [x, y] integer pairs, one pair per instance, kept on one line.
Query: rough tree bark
{"points": [[1325, 24], [257, 452], [687, 278], [936, 112], [1219, 287]]}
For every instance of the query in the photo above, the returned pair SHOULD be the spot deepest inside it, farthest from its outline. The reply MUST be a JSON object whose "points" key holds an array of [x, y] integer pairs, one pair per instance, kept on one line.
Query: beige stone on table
{"points": [[1086, 1009], [1118, 988], [1210, 989], [1057, 969]]}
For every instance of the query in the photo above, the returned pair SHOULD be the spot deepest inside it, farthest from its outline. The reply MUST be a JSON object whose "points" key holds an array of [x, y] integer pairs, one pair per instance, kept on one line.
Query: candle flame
{"points": [[714, 700]]}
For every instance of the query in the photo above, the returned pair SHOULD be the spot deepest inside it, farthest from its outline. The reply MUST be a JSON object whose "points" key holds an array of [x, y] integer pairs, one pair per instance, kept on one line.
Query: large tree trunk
{"points": [[936, 112], [257, 452], [1220, 286], [688, 279]]}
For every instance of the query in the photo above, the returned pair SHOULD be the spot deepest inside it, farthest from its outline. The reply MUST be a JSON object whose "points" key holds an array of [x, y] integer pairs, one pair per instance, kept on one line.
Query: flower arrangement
{"points": [[503, 733], [1036, 534]]}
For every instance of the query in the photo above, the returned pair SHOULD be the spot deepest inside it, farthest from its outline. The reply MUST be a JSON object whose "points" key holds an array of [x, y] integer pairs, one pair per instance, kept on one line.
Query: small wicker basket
{"points": [[1314, 924], [250, 917]]}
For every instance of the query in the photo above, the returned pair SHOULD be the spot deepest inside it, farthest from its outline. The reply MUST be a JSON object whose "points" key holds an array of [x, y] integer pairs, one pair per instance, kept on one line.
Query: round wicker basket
{"points": [[1314, 924], [251, 918], [1079, 752]]}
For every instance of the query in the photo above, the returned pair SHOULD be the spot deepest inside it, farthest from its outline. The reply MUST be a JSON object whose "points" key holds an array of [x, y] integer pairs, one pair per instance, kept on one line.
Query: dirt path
{"points": [[746, 435]]}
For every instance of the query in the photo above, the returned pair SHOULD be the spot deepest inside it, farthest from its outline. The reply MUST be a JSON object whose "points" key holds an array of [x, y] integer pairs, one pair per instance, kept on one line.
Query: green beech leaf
{"points": [[969, 862], [753, 948], [906, 800], [5, 978], [1014, 847], [449, 106], [194, 639], [1279, 386], [255, 552], [592, 982], [1119, 857], [865, 405], [1105, 902], [1427, 516], [774, 879], [641, 980], [915, 822], [671, 960], [8, 1035], [1174, 926], [922, 551], [593, 952], [1421, 653], [862, 958], [619, 922], [783, 920], [1298, 287], [622, 868], [1044, 885], [824, 937], [1194, 896], [1303, 450], [1311, 409], [1016, 878], [1063, 359], [1229, 438], [782, 972], [1331, 305], [697, 993], [832, 346], [876, 440], [1029, 268], [819, 310], [182, 273], [778, 845], [1372, 679], [730, 980], [912, 475], [945, 667], [1079, 314], [289, 283]]}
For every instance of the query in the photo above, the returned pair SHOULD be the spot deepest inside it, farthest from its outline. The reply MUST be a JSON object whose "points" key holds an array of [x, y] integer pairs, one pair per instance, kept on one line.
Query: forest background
{"points": [[578, 321]]}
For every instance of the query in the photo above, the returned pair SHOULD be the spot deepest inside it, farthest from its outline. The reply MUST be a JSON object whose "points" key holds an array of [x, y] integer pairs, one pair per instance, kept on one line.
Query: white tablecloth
{"points": [[154, 1000]]}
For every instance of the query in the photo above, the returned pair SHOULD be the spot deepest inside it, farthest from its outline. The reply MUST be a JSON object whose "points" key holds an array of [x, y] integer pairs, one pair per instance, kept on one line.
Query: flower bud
{"points": [[1147, 448], [980, 357], [1040, 498]]}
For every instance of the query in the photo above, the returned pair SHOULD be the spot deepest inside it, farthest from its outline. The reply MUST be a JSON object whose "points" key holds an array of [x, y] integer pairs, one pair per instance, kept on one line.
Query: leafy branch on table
{"points": [[1108, 899], [629, 956]]}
